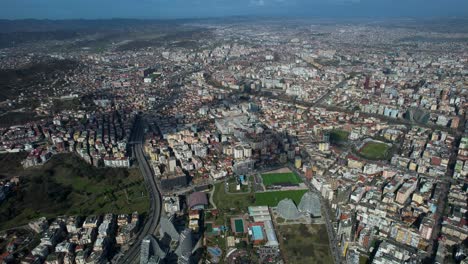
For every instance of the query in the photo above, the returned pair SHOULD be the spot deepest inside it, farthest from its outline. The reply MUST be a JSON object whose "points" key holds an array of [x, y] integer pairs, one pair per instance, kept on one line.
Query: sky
{"points": [[162, 9]]}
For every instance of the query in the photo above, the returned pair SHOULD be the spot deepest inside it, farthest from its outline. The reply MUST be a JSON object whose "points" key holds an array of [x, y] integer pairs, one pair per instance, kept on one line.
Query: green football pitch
{"points": [[278, 178], [273, 198]]}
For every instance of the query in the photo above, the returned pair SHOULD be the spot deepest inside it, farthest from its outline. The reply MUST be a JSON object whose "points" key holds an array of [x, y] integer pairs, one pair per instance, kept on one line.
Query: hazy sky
{"points": [[60, 9]]}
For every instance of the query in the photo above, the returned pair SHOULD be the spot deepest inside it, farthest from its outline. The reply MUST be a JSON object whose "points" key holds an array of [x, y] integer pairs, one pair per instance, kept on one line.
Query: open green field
{"points": [[278, 178], [66, 185], [338, 136], [235, 203], [273, 198], [375, 151], [232, 184], [306, 244]]}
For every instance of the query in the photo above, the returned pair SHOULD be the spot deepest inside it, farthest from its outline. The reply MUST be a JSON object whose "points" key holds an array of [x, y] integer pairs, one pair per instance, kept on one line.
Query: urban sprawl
{"points": [[258, 143]]}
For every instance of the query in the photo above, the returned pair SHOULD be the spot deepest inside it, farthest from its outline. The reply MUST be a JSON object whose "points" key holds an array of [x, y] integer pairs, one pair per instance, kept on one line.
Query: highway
{"points": [[151, 223], [132, 255]]}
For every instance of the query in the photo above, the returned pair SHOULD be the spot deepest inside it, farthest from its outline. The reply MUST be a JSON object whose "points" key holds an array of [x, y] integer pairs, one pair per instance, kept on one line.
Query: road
{"points": [[152, 221], [334, 242], [132, 255]]}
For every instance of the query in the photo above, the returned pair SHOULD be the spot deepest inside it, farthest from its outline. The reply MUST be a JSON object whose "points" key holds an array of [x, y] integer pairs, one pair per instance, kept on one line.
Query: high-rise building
{"points": [[238, 152], [167, 227], [324, 146], [247, 151], [150, 251], [326, 137], [185, 247], [172, 164]]}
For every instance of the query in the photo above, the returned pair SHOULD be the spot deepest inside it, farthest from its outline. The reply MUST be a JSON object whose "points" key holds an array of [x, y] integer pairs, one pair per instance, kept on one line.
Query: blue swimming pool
{"points": [[215, 251], [257, 233]]}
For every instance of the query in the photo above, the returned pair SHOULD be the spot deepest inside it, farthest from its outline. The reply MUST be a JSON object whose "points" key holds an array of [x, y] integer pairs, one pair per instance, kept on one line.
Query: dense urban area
{"points": [[234, 141]]}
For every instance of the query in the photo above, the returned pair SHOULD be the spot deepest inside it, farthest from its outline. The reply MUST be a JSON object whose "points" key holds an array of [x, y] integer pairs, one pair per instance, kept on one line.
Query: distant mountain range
{"points": [[41, 25], [17, 32]]}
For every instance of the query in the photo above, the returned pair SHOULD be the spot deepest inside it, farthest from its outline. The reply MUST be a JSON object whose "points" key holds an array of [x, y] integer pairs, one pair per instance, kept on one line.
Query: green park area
{"points": [[272, 198], [338, 136], [279, 178], [234, 203], [307, 244], [66, 185], [232, 186], [375, 151], [238, 203]]}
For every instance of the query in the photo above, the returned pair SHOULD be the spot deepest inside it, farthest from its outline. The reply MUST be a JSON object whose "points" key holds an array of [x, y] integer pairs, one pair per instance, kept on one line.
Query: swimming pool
{"points": [[257, 233]]}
